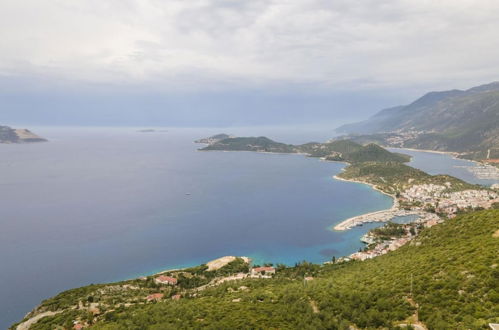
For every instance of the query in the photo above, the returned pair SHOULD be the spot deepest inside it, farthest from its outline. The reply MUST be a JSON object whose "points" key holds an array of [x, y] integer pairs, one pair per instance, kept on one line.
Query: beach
{"points": [[377, 216]]}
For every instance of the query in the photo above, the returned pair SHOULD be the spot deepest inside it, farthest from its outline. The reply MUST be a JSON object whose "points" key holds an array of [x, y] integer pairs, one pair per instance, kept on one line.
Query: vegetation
{"points": [[394, 177], [338, 150], [261, 144], [213, 139], [453, 268], [461, 121], [390, 229]]}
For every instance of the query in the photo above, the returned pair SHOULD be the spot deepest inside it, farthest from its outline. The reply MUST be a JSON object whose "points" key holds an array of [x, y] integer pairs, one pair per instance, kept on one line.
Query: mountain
{"points": [[460, 121], [445, 278], [10, 135]]}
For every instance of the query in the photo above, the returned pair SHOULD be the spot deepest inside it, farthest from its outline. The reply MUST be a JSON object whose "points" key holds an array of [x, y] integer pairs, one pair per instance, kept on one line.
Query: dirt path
{"points": [[26, 325], [418, 325], [314, 306]]}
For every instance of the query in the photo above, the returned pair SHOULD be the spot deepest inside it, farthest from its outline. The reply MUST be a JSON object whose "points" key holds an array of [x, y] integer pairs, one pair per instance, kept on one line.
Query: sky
{"points": [[233, 62]]}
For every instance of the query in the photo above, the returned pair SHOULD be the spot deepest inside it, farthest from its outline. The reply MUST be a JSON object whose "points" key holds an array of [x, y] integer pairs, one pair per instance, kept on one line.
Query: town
{"points": [[432, 203]]}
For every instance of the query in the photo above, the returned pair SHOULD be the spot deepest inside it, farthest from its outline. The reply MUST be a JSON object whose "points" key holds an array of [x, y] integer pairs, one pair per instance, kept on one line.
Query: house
{"points": [[165, 280], [262, 271], [155, 297]]}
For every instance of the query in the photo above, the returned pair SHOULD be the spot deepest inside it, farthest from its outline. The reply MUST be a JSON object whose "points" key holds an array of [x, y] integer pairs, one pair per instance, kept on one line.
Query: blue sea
{"points": [[438, 163], [105, 204]]}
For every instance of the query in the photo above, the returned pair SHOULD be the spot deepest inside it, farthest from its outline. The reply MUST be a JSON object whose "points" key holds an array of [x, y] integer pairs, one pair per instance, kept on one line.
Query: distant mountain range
{"points": [[466, 122], [11, 135]]}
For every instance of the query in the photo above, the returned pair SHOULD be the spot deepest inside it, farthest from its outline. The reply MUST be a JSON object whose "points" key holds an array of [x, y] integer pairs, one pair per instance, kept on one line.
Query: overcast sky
{"points": [[232, 62]]}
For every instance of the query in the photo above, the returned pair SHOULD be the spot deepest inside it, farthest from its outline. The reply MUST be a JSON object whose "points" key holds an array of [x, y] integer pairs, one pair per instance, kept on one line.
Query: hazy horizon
{"points": [[220, 62]]}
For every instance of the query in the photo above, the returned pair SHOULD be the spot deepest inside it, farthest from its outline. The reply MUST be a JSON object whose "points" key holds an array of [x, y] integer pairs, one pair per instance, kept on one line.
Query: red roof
{"points": [[166, 279], [264, 269]]}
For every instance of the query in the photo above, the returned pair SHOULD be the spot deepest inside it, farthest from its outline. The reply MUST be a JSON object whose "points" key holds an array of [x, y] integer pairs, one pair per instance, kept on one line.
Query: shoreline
{"points": [[362, 218], [352, 221], [453, 153]]}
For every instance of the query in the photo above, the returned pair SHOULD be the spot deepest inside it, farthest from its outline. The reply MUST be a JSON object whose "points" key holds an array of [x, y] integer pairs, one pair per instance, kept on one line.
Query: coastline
{"points": [[382, 214], [379, 216], [453, 153]]}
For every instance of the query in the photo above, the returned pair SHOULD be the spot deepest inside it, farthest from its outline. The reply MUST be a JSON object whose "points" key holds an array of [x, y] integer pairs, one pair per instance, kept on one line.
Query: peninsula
{"points": [[429, 197], [336, 150]]}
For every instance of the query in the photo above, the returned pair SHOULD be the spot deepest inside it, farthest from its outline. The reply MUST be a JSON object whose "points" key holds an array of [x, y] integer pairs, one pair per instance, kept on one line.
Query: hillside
{"points": [[460, 121], [260, 144], [447, 277], [394, 177], [340, 150], [214, 138], [10, 135]]}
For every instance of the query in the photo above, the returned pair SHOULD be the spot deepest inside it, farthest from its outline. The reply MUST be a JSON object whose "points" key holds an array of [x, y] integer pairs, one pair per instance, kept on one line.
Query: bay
{"points": [[104, 204]]}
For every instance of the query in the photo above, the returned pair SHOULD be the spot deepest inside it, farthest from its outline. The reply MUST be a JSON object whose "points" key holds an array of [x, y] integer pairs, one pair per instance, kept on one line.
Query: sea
{"points": [[98, 205]]}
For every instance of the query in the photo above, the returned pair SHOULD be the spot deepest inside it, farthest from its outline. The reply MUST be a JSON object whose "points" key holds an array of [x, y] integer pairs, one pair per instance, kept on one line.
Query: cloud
{"points": [[222, 44]]}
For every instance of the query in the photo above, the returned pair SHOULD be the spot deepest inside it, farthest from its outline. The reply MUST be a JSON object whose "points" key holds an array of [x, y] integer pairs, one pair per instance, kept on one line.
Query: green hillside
{"points": [[393, 177], [449, 275], [461, 121], [338, 150], [374, 153], [261, 144]]}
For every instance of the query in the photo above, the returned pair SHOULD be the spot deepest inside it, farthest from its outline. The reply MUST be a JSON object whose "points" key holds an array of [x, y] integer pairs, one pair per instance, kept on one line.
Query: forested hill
{"points": [[448, 277], [10, 135], [339, 150], [261, 144], [455, 120]]}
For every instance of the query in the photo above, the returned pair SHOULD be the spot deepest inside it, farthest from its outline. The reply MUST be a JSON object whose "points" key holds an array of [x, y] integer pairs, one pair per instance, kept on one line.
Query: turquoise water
{"points": [[98, 205]]}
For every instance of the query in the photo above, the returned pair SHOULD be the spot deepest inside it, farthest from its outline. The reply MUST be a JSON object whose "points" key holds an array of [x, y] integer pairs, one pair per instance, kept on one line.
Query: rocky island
{"points": [[11, 135]]}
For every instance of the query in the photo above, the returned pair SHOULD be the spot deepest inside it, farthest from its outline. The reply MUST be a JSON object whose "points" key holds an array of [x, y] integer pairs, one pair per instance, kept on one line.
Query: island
{"points": [[11, 135]]}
